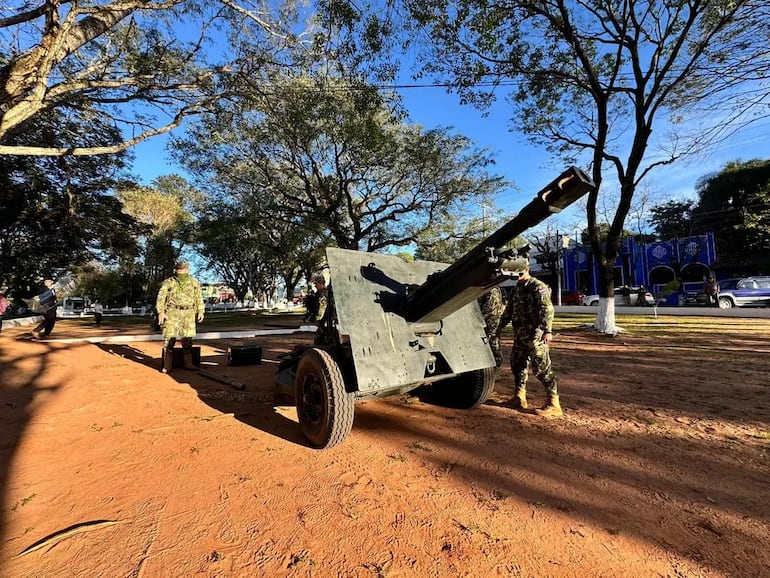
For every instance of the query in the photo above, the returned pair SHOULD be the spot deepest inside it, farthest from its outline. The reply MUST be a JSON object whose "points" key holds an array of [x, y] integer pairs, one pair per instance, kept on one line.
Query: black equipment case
{"points": [[244, 354]]}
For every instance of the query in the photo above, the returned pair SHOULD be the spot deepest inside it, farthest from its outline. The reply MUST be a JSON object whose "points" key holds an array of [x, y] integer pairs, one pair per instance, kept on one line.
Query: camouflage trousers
{"points": [[187, 343], [535, 352], [497, 350], [492, 308]]}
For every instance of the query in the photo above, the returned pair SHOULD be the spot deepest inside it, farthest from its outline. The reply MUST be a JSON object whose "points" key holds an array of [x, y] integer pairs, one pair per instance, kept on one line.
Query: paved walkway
{"points": [[132, 337]]}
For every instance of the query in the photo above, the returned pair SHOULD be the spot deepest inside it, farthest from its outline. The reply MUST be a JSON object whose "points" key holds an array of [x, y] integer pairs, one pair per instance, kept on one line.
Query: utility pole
{"points": [[484, 208], [562, 242], [558, 269]]}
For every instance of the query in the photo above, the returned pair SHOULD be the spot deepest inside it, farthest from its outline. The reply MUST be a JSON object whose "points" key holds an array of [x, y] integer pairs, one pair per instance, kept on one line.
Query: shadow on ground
{"points": [[248, 393]]}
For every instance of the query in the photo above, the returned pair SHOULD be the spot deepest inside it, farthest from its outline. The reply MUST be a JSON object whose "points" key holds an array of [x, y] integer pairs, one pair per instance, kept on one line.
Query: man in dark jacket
{"points": [[45, 303], [711, 289]]}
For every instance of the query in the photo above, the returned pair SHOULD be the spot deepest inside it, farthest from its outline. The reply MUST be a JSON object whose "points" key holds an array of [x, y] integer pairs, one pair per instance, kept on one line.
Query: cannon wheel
{"points": [[464, 391], [324, 408], [471, 389]]}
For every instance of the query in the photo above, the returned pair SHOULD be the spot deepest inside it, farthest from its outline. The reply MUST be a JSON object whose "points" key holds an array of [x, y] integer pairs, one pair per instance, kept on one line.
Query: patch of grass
{"points": [[644, 324], [397, 457]]}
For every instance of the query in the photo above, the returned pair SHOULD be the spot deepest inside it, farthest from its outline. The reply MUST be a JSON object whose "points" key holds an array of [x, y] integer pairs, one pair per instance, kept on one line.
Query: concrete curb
{"points": [[22, 321], [158, 337]]}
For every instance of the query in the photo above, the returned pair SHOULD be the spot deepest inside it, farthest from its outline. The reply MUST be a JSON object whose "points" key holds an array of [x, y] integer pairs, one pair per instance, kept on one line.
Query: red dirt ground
{"points": [[659, 467]]}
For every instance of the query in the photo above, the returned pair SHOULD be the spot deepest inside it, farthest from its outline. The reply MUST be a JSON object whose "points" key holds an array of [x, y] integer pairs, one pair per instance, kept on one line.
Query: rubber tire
{"points": [[465, 391], [725, 303], [324, 408]]}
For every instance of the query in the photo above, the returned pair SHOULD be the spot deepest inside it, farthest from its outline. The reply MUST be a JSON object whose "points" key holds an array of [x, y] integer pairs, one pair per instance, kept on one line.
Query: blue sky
{"points": [[528, 167]]}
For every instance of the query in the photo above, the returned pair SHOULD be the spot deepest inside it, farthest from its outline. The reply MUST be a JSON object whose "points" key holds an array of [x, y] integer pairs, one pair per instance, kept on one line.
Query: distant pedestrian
{"points": [[641, 296], [626, 292], [3, 308], [179, 305], [711, 289], [45, 303], [311, 306], [98, 313], [325, 316]]}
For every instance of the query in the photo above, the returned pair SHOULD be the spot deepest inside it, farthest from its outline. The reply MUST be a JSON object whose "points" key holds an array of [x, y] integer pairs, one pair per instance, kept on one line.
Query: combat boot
{"points": [[552, 408], [188, 362], [167, 361], [519, 401]]}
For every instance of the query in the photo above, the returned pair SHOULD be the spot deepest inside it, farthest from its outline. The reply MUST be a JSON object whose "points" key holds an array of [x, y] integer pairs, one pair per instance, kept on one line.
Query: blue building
{"points": [[650, 264]]}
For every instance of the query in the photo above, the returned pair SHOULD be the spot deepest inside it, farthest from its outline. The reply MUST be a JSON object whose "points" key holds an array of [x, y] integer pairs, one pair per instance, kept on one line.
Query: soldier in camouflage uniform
{"points": [[179, 305], [492, 307], [325, 315], [531, 310]]}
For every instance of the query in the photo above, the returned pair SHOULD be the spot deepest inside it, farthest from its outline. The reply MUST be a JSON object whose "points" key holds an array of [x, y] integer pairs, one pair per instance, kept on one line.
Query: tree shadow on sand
{"points": [[254, 405], [20, 387]]}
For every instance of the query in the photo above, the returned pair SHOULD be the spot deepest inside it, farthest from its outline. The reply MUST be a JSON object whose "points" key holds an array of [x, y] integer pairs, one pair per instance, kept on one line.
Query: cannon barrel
{"points": [[489, 263]]}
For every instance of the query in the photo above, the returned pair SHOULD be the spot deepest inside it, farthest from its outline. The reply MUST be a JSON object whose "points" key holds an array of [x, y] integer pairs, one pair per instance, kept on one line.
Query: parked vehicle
{"points": [[649, 298], [741, 292], [572, 298], [72, 306]]}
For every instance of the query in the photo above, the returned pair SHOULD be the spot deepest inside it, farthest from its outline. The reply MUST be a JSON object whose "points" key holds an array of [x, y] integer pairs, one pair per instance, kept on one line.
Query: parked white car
{"points": [[649, 298]]}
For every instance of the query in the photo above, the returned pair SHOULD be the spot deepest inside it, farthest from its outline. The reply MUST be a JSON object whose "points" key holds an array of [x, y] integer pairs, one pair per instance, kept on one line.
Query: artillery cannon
{"points": [[405, 325]]}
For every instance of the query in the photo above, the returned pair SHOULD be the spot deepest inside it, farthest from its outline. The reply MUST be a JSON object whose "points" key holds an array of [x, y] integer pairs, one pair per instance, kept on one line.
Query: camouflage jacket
{"points": [[322, 301], [181, 303], [530, 309], [493, 306]]}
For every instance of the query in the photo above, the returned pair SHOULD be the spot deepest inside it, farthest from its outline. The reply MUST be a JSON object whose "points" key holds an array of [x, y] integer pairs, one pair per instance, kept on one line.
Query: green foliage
{"points": [[603, 231], [165, 209], [452, 235], [331, 156], [113, 287], [59, 213], [145, 65], [672, 220], [591, 82], [448, 239], [248, 245], [734, 204]]}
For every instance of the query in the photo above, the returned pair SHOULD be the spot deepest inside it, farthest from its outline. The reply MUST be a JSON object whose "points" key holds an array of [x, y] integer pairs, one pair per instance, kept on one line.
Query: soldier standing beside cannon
{"points": [[179, 305], [492, 308], [531, 311]]}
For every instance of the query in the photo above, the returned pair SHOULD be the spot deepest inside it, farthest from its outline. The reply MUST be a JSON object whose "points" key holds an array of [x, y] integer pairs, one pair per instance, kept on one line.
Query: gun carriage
{"points": [[406, 325]]}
